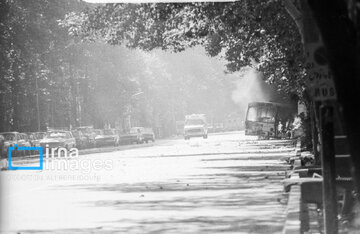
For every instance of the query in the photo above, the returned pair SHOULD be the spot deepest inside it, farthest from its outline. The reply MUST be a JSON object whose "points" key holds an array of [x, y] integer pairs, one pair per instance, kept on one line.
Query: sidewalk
{"points": [[304, 217]]}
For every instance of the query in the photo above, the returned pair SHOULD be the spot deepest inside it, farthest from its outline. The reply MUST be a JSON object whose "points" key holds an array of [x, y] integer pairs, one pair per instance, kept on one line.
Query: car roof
{"points": [[58, 131], [9, 132]]}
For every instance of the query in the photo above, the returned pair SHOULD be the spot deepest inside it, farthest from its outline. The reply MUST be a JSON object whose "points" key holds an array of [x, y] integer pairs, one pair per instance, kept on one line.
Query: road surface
{"points": [[226, 183]]}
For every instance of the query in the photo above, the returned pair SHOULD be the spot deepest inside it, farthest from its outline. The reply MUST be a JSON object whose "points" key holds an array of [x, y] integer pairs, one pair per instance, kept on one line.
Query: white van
{"points": [[195, 126]]}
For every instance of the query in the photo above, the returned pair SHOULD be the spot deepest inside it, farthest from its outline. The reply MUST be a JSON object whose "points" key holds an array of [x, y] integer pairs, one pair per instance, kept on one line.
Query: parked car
{"points": [[134, 136], [15, 138], [2, 151], [10, 140], [106, 137], [36, 137], [89, 133], [58, 138], [147, 134], [25, 142], [82, 141]]}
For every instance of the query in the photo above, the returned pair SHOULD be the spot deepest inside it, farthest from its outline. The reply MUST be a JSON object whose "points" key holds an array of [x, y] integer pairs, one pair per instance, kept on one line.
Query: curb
{"points": [[292, 220], [292, 223]]}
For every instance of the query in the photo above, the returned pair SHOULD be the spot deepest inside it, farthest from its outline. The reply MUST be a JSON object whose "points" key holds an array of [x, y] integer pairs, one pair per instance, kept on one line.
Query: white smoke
{"points": [[250, 88]]}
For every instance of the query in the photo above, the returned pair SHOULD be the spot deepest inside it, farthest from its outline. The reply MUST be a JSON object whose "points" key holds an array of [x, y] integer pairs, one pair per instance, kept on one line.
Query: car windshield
{"points": [[9, 136], [135, 130], [56, 135], [40, 135], [194, 122], [108, 132], [98, 132]]}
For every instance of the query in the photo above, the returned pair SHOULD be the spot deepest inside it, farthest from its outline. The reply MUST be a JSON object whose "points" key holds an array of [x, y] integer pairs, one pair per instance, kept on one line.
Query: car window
{"points": [[98, 132], [9, 136], [108, 132], [56, 135], [134, 130], [194, 122], [40, 135]]}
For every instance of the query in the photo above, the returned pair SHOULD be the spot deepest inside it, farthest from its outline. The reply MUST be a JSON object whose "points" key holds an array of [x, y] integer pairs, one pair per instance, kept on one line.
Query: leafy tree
{"points": [[29, 33], [241, 32]]}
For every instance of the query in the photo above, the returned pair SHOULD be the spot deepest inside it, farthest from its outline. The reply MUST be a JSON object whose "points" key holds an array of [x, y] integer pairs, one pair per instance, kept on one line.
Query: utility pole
{"points": [[328, 169]]}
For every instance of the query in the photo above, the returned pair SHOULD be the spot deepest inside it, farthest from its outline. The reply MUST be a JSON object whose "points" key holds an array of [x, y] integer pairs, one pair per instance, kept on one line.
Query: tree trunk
{"points": [[339, 36]]}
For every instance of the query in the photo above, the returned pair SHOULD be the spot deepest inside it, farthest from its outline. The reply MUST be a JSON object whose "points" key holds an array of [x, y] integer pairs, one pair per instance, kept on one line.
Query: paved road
{"points": [[226, 183]]}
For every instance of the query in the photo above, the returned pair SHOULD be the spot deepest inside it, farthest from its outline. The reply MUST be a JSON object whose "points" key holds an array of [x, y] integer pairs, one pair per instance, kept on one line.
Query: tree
{"points": [[29, 36], [241, 32]]}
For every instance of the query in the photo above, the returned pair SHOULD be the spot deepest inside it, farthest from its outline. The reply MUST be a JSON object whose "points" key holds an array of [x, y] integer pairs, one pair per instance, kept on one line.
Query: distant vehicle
{"points": [[82, 141], [10, 140], [263, 119], [89, 133], [98, 132], [55, 139], [36, 137], [106, 137], [15, 138], [134, 136], [2, 148], [146, 134], [195, 126]]}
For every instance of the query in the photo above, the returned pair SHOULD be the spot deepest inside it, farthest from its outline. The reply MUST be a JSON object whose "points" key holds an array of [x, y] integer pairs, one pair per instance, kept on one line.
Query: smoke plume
{"points": [[250, 88]]}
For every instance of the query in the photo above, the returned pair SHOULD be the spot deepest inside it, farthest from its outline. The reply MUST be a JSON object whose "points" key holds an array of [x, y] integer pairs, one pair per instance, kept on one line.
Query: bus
{"points": [[268, 119]]}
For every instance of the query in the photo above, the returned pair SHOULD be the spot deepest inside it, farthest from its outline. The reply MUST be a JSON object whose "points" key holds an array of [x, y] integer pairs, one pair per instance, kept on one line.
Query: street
{"points": [[226, 183], [148, 116]]}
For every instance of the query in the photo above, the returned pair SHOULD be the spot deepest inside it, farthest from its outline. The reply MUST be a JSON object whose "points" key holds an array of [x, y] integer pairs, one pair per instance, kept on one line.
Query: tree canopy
{"points": [[46, 71], [246, 33]]}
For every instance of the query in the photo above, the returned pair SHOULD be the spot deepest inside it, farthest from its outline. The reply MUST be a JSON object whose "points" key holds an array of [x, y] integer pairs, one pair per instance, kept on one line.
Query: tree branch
{"points": [[295, 14]]}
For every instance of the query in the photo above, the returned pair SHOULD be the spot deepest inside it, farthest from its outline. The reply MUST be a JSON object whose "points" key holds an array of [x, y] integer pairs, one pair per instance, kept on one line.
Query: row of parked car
{"points": [[81, 138]]}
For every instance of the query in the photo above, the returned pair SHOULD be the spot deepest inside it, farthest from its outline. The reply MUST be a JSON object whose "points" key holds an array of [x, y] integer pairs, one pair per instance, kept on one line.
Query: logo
{"points": [[16, 148]]}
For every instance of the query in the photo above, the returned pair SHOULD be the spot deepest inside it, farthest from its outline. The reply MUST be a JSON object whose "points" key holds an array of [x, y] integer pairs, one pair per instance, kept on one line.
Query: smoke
{"points": [[251, 88]]}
